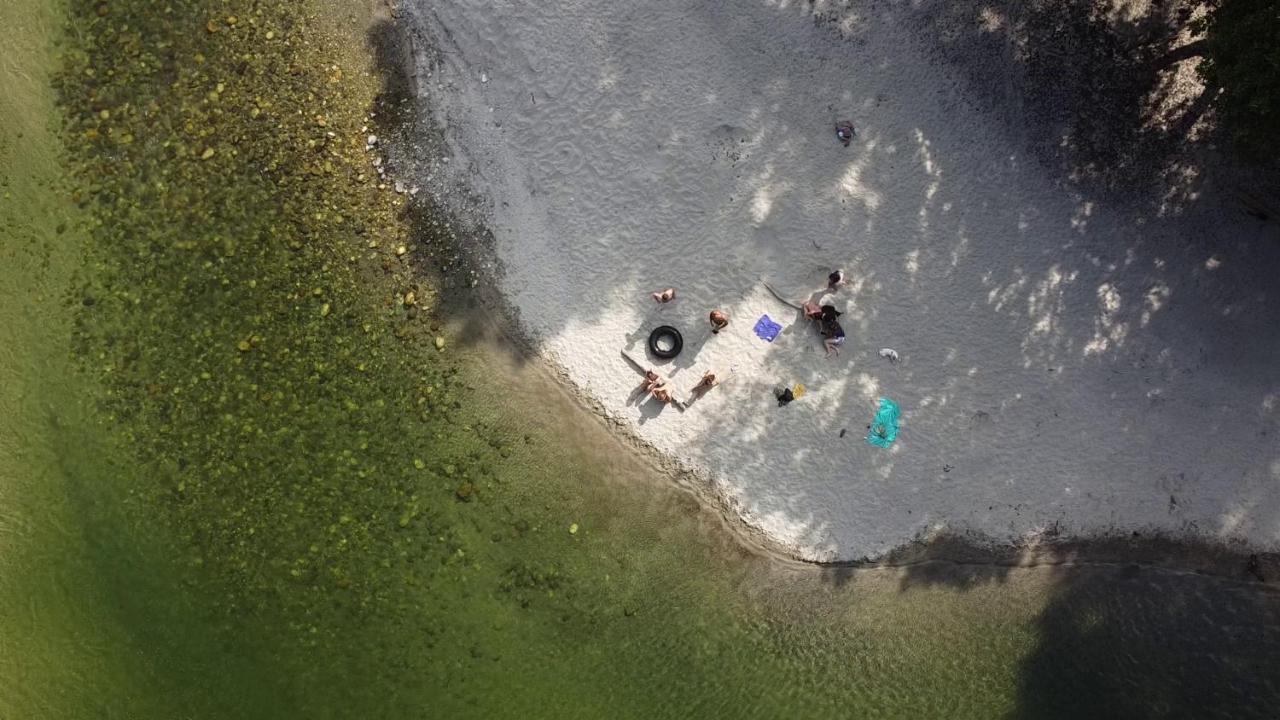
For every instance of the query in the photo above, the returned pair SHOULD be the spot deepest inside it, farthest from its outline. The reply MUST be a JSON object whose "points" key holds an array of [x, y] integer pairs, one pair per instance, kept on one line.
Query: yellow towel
{"points": [[798, 390]]}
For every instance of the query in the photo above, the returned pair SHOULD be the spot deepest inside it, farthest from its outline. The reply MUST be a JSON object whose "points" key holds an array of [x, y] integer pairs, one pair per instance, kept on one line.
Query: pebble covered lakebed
{"points": [[260, 460]]}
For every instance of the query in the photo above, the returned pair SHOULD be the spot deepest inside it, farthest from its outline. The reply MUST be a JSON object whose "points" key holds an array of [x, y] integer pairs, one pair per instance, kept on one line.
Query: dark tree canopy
{"points": [[1242, 62]]}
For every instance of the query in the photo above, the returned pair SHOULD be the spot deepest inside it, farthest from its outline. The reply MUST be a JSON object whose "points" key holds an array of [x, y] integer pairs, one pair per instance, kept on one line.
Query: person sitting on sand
{"points": [[844, 132], [719, 321], [665, 296], [835, 279], [707, 382], [811, 310], [833, 336]]}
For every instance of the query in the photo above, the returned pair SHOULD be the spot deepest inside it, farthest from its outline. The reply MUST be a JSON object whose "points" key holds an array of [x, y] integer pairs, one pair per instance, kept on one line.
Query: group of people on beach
{"points": [[825, 316], [657, 386]]}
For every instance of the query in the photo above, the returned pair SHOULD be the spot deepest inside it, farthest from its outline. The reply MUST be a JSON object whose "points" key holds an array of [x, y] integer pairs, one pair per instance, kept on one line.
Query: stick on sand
{"points": [[785, 301]]}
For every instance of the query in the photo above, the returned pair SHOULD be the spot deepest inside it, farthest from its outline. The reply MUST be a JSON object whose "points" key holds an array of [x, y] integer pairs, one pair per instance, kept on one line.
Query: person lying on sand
{"points": [[662, 392], [651, 380], [719, 320], [656, 385], [844, 132], [665, 296]]}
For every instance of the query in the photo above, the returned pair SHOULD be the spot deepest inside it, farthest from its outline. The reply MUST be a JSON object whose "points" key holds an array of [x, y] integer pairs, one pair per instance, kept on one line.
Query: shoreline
{"points": [[929, 545], [1222, 560]]}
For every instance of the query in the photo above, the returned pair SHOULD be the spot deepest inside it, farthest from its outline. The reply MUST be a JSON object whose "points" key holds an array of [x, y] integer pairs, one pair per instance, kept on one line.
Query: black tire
{"points": [[665, 332]]}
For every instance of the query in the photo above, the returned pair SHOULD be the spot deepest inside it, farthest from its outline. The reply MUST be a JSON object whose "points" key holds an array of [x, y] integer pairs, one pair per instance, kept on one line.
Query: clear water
{"points": [[570, 580]]}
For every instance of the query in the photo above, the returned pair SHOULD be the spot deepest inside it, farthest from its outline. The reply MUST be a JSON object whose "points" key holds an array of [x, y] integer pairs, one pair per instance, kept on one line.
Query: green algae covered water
{"points": [[251, 465]]}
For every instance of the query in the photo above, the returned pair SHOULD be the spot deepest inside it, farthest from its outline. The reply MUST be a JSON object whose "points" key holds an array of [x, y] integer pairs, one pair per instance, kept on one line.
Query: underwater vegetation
{"points": [[252, 311]]}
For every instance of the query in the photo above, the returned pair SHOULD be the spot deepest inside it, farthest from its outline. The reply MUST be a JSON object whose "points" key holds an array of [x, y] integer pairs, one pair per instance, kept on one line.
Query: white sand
{"points": [[1067, 366]]}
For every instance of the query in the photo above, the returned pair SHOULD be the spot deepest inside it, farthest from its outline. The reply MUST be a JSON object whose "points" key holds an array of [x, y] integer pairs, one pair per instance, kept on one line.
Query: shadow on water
{"points": [[1131, 643], [1125, 641]]}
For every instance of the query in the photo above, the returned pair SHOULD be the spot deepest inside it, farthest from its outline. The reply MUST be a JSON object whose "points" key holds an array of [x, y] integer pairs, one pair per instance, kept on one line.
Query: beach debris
{"points": [[1254, 568], [845, 132], [466, 492], [889, 354]]}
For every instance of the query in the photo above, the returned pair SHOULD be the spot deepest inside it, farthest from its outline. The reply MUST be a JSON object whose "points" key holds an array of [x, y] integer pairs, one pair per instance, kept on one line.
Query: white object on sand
{"points": [[889, 354]]}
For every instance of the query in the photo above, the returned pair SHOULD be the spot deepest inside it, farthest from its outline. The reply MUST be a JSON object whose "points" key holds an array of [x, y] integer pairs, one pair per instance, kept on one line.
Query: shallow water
{"points": [[574, 580]]}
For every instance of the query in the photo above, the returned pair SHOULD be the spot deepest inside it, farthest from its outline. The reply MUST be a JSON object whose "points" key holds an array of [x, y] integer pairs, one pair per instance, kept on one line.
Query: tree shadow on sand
{"points": [[1104, 92]]}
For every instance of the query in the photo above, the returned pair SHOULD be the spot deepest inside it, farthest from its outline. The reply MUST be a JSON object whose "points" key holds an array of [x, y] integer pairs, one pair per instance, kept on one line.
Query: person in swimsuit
{"points": [[835, 279], [651, 380], [833, 336], [719, 321], [707, 382], [665, 296], [662, 392]]}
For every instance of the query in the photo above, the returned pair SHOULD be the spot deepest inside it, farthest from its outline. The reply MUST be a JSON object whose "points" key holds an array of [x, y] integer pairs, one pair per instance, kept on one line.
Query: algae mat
{"points": [[240, 480]]}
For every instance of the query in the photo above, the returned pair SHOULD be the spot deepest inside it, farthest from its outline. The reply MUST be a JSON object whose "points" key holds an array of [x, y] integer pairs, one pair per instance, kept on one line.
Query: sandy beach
{"points": [[1071, 365]]}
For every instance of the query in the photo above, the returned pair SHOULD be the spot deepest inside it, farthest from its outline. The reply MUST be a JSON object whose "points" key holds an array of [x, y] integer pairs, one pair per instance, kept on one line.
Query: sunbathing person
{"points": [[651, 379], [665, 296], [662, 392]]}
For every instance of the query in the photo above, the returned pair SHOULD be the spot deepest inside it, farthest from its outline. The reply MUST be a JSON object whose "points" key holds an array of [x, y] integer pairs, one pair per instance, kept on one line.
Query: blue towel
{"points": [[767, 329], [884, 429]]}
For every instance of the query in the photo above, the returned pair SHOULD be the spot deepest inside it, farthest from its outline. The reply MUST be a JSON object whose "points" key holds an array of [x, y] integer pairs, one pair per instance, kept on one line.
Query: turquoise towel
{"points": [[884, 429]]}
